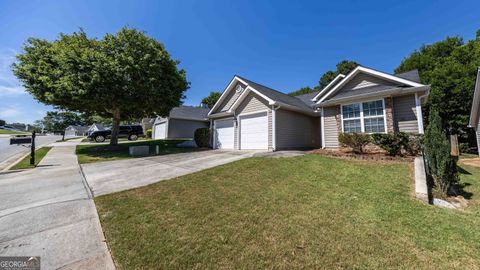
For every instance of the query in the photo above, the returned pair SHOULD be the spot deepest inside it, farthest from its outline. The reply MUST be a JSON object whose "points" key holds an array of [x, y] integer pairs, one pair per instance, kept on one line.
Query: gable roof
{"points": [[473, 121], [411, 75], [372, 89], [189, 113], [308, 98], [329, 86]]}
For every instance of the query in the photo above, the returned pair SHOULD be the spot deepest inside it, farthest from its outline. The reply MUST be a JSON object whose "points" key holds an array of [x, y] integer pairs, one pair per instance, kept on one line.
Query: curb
{"points": [[6, 169]]}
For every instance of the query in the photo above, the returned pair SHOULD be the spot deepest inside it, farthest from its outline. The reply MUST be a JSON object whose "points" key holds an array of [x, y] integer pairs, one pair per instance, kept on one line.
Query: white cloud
{"points": [[9, 85], [9, 112]]}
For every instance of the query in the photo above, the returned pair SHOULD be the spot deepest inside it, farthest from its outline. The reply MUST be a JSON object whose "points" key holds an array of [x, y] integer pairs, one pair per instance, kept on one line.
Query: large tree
{"points": [[59, 120], [2, 122], [302, 91], [450, 67], [124, 76], [211, 99], [343, 67]]}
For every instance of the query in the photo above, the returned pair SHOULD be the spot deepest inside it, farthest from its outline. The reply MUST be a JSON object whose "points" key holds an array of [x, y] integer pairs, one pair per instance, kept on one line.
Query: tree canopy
{"points": [[2, 122], [343, 67], [211, 99], [450, 67], [124, 76]]}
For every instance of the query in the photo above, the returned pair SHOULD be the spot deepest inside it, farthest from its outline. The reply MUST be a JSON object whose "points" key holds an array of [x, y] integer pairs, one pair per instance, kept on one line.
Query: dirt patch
{"points": [[470, 162], [371, 155], [458, 201]]}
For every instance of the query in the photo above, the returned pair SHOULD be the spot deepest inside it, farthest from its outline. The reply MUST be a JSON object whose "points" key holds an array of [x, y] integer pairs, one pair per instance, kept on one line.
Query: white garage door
{"points": [[254, 131], [160, 131], [224, 134]]}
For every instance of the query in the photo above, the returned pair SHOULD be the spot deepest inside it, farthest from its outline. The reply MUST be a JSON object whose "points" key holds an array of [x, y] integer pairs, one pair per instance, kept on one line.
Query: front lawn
{"points": [[11, 132], [307, 212], [25, 162], [103, 152]]}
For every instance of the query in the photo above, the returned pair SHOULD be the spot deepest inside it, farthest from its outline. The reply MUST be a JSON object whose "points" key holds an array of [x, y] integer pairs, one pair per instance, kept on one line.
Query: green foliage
{"points": [[148, 133], [343, 67], [398, 143], [437, 147], [202, 137], [211, 99], [302, 91], [356, 141], [124, 76], [59, 120], [450, 67], [2, 122]]}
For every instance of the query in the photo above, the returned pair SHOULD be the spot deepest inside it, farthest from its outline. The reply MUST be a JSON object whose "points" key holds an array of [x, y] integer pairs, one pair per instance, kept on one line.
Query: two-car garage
{"points": [[252, 130]]}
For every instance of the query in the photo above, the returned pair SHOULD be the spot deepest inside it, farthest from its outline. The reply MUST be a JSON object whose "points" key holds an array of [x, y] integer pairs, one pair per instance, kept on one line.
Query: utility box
{"points": [[138, 151]]}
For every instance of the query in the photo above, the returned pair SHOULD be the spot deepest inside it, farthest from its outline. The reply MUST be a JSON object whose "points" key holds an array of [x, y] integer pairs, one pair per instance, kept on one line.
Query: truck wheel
{"points": [[132, 137], [99, 138]]}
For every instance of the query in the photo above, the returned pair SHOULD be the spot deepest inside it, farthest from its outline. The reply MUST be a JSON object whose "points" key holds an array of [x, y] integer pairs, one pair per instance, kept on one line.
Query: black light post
{"points": [[32, 150]]}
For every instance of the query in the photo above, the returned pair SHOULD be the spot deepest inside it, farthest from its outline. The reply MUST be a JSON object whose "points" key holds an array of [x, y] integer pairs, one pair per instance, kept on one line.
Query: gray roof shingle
{"points": [[189, 112], [411, 75], [278, 96]]}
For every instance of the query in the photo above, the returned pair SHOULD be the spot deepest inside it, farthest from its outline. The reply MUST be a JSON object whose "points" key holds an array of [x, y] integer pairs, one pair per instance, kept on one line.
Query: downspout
{"points": [[418, 101], [274, 126]]}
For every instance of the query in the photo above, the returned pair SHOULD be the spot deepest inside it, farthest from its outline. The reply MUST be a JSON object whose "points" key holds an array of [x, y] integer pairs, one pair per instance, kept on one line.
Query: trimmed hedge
{"points": [[202, 137], [356, 141], [399, 143]]}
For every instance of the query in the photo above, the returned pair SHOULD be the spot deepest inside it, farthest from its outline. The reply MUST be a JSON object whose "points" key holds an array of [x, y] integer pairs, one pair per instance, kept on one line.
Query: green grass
{"points": [[307, 212], [25, 162], [103, 152], [6, 131]]}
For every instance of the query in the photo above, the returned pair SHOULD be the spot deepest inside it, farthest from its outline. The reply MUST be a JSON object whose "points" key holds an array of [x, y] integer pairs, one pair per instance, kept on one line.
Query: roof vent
{"points": [[239, 88]]}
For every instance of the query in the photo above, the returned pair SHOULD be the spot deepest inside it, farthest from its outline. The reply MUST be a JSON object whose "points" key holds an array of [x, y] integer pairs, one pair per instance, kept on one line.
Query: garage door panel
{"points": [[254, 131], [224, 134], [160, 131]]}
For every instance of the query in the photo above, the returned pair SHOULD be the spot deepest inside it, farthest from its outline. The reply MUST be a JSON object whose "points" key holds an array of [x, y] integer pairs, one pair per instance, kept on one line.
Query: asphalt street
{"points": [[8, 152]]}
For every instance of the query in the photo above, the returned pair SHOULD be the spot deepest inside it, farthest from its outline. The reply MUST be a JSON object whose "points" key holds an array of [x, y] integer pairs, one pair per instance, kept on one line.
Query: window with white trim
{"points": [[366, 117]]}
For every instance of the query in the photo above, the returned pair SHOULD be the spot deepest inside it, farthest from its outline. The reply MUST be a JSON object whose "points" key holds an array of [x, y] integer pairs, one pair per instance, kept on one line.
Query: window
{"points": [[364, 117]]}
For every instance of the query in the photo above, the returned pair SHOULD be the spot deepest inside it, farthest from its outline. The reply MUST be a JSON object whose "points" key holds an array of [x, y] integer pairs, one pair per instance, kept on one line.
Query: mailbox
{"points": [[20, 140]]}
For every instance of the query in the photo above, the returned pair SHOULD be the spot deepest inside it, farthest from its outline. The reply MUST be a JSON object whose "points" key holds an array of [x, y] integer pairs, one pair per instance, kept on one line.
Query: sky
{"points": [[283, 44]]}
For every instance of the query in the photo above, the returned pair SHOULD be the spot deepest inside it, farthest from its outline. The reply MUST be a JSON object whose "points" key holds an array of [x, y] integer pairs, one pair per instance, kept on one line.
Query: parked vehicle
{"points": [[132, 132]]}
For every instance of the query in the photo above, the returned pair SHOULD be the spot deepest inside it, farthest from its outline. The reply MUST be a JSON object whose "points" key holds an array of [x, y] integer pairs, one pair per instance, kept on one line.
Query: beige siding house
{"points": [[474, 120], [249, 115]]}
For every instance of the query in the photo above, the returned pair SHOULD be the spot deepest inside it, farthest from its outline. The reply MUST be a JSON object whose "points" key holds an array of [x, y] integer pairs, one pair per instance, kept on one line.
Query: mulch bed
{"points": [[348, 154]]}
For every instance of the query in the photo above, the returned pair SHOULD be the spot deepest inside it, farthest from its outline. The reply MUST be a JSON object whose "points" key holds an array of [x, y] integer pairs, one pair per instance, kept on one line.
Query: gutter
{"points": [[293, 108]]}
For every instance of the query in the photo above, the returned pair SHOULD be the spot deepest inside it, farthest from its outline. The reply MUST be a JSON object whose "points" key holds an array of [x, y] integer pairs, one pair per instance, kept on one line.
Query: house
{"points": [[95, 127], [474, 120], [147, 123], [249, 115], [73, 131], [181, 123]]}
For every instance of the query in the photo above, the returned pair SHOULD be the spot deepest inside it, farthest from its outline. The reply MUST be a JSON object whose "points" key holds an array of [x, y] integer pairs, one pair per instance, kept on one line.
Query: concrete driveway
{"points": [[49, 212], [113, 176]]}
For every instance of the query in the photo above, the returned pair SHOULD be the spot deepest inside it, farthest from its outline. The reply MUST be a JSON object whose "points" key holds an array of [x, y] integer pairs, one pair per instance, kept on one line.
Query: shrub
{"points": [[437, 147], [149, 133], [414, 144], [390, 142], [202, 137], [356, 141]]}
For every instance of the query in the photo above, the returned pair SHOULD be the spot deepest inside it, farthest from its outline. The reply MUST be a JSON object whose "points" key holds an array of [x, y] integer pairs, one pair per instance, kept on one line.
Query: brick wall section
{"points": [[389, 114]]}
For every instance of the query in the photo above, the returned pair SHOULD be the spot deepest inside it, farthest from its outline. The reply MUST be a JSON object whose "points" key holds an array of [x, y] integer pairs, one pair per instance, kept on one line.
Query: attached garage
{"points": [[254, 131], [160, 131], [224, 135]]}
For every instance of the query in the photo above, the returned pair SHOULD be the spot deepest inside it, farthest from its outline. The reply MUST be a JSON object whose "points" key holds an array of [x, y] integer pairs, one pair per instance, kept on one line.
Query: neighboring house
{"points": [[95, 127], [475, 111], [249, 115], [180, 123], [147, 123], [73, 131]]}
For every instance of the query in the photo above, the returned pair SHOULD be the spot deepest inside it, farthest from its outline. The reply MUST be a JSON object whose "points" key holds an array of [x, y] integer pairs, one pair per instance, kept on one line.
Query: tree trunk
{"points": [[115, 128]]}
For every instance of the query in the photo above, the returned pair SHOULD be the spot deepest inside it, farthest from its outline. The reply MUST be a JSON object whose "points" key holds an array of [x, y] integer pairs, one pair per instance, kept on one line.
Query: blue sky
{"points": [[283, 44]]}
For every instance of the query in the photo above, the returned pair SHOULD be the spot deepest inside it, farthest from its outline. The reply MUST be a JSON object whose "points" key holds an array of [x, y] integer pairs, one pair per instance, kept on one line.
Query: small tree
{"points": [[124, 77], [211, 99], [437, 147], [202, 137], [356, 141]]}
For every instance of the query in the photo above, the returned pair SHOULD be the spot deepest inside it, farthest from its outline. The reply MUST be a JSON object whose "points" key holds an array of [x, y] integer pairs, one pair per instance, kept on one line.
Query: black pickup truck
{"points": [[132, 132]]}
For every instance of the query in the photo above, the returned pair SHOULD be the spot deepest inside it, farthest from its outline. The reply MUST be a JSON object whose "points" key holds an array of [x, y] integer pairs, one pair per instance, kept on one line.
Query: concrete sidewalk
{"points": [[113, 176], [49, 212]]}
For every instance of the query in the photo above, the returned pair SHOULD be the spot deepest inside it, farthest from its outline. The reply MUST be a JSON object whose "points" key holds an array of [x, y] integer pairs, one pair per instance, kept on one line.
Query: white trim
{"points": [[220, 99], [385, 115], [274, 128], [339, 76], [418, 107], [215, 134], [322, 127], [239, 124], [167, 123], [370, 72]]}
